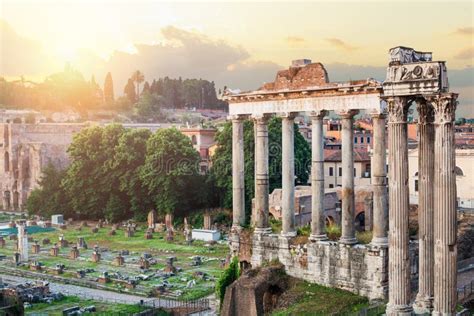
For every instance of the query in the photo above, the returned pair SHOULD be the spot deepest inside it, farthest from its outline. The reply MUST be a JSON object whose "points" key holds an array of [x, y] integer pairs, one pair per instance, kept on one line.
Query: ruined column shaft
{"points": [[379, 183], [288, 175], [238, 188], [347, 192], [424, 298], [318, 227], [445, 217], [261, 175], [399, 261]]}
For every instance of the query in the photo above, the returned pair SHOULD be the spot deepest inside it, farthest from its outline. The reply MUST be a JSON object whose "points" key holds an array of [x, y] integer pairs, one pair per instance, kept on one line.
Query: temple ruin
{"points": [[382, 268]]}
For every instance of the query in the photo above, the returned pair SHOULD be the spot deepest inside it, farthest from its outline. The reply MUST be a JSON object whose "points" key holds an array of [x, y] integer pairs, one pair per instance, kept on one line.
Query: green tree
{"points": [[89, 182], [129, 91], [148, 108], [138, 77], [108, 89], [129, 157], [49, 198], [170, 167], [221, 171]]}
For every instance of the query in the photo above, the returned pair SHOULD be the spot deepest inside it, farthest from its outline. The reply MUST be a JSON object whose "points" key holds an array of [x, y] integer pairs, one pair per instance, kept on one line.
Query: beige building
{"points": [[464, 176], [333, 168]]}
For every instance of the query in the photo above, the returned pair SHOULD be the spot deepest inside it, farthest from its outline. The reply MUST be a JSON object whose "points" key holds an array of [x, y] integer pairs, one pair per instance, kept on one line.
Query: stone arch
{"points": [[6, 161]]}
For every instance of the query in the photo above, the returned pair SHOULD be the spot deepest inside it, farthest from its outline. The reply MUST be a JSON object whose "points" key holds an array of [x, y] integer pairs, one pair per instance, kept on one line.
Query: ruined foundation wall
{"points": [[361, 269]]}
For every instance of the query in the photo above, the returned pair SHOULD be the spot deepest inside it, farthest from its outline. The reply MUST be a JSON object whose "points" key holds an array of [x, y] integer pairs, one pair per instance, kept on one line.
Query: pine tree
{"points": [[108, 88], [146, 88], [130, 91]]}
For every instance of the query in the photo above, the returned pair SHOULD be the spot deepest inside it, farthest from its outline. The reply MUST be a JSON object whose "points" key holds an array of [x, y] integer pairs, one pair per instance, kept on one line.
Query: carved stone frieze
{"points": [[408, 55]]}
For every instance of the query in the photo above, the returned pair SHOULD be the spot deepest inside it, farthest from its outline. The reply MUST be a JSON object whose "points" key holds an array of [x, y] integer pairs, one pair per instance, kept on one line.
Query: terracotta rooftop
{"points": [[335, 155]]}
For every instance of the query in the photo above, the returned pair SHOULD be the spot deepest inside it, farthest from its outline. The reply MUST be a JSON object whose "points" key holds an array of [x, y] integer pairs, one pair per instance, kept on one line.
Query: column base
{"points": [[262, 230], [379, 241], [348, 240], [399, 310], [288, 234], [236, 228], [316, 238], [423, 305]]}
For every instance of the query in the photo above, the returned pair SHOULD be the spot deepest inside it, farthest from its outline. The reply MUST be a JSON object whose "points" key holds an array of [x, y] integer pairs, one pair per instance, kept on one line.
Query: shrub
{"points": [[228, 276], [334, 232]]}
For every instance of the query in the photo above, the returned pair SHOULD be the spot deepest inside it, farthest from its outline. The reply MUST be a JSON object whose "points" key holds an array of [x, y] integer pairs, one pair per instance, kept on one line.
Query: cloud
{"points": [[465, 31], [340, 44], [466, 53], [20, 55], [295, 40]]}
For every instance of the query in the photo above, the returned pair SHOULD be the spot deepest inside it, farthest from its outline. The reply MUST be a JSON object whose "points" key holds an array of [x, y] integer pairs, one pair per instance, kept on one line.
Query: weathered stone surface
{"points": [[254, 293]]}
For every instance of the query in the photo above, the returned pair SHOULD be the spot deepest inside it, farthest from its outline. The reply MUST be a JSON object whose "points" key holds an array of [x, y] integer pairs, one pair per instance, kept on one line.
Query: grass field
{"points": [[102, 308], [158, 247]]}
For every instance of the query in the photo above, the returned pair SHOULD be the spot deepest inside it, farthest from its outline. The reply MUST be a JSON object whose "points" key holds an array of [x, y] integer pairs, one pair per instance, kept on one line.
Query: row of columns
{"points": [[437, 207], [318, 227]]}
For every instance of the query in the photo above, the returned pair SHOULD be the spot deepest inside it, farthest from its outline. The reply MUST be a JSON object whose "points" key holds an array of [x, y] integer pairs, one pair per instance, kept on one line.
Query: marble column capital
{"points": [[378, 115], [261, 119], [347, 114], [444, 107], [288, 115], [318, 115], [425, 111], [237, 117], [397, 108]]}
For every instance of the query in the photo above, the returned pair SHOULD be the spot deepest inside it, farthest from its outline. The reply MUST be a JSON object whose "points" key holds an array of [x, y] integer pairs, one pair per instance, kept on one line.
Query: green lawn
{"points": [[103, 308], [313, 299]]}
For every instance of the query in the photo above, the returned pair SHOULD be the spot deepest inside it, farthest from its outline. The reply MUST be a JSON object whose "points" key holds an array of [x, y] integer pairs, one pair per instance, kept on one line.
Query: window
{"points": [[416, 185], [362, 140], [355, 173], [331, 186], [340, 171], [355, 140], [368, 139], [331, 171]]}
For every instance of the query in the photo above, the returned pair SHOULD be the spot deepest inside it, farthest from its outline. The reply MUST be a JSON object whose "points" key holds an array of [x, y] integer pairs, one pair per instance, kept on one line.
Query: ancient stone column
{"points": [[318, 227], [399, 261], [238, 188], [379, 183], [288, 175], [424, 298], [261, 175], [347, 194], [445, 217]]}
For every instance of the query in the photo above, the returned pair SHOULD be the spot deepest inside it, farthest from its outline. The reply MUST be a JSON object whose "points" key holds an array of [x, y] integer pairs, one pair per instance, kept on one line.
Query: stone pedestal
{"points": [[399, 263], [119, 260], [54, 251], [148, 234], [144, 263], [35, 248], [74, 253], [129, 232], [95, 256]]}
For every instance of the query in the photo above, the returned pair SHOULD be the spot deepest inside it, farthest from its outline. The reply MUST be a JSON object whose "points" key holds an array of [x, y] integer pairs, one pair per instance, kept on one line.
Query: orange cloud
{"points": [[465, 31], [466, 53], [340, 44], [294, 40]]}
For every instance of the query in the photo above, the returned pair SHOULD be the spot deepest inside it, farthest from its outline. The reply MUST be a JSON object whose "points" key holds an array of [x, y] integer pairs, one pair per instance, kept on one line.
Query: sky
{"points": [[239, 44]]}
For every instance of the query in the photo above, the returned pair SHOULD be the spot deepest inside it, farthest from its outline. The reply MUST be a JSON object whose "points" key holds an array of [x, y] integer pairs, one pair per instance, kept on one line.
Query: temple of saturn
{"points": [[380, 269]]}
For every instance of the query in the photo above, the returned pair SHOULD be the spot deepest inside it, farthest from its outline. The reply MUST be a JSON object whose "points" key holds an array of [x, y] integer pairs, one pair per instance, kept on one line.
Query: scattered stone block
{"points": [[36, 266], [119, 260], [35, 248], [144, 263], [58, 269], [196, 261], [74, 253], [54, 251], [159, 228], [149, 234], [81, 243], [129, 232], [95, 256], [100, 224], [47, 224], [84, 224], [169, 265], [112, 232], [63, 226], [105, 278], [95, 230]]}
